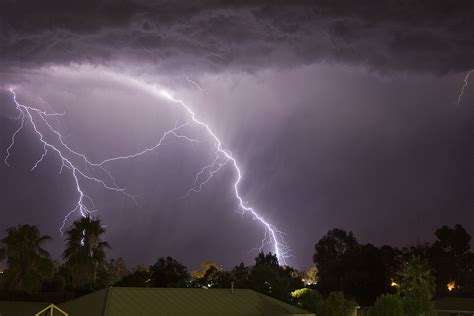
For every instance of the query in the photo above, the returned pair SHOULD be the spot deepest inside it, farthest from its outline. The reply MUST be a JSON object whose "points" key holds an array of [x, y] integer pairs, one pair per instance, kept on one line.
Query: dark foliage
{"points": [[84, 255], [140, 277], [267, 277], [364, 272], [28, 264], [361, 271], [167, 272]]}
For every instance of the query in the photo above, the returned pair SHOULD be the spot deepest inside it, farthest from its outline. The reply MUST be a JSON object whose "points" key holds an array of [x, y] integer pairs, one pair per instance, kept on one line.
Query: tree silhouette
{"points": [[167, 272], [240, 276], [267, 277], [28, 264], [139, 277], [360, 271], [85, 252], [451, 258]]}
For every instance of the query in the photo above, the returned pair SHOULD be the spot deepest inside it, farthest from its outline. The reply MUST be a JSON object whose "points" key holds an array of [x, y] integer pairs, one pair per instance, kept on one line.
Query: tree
{"points": [[139, 277], [416, 287], [360, 271], [466, 283], [332, 258], [267, 277], [337, 305], [307, 299], [117, 269], [366, 275], [111, 272], [211, 275], [387, 305], [57, 282], [268, 259], [455, 241], [85, 252], [205, 266], [451, 258], [240, 276], [215, 278], [167, 272], [336, 244], [334, 305], [392, 259], [28, 264]]}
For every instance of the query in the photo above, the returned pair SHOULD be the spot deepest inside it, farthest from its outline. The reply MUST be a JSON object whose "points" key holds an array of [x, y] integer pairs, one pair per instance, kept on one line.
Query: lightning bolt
{"points": [[198, 87], [466, 82], [34, 116], [222, 158], [84, 204]]}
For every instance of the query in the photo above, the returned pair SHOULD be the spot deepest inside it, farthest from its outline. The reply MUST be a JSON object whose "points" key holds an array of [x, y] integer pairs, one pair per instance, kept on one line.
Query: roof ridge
{"points": [[108, 296], [177, 288]]}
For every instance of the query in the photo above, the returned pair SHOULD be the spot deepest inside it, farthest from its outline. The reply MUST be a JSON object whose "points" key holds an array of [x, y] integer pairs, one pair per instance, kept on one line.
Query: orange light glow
{"points": [[451, 286]]}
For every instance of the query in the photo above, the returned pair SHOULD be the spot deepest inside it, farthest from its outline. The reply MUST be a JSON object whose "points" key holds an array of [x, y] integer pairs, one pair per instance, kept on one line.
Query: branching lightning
{"points": [[223, 157], [198, 87], [81, 167], [466, 82], [27, 114]]}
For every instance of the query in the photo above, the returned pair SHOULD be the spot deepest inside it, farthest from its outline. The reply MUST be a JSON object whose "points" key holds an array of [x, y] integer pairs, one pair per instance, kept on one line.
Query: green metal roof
{"points": [[21, 308], [120, 301], [92, 304]]}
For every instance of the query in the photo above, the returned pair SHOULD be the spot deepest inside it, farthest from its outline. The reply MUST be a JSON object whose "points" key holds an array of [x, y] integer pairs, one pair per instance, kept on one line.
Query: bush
{"points": [[334, 305], [307, 299], [337, 305], [387, 305]]}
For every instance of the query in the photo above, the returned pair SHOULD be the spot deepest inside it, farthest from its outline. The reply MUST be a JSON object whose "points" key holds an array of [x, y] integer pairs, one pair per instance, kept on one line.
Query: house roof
{"points": [[21, 308], [92, 304], [454, 304], [182, 301]]}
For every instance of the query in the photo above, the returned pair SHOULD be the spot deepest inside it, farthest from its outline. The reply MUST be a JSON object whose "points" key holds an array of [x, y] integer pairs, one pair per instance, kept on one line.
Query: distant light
{"points": [[394, 284], [307, 281], [451, 286]]}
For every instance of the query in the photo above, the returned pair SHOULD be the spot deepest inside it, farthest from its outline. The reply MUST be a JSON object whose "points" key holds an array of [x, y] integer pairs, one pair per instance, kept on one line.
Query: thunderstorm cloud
{"points": [[434, 36]]}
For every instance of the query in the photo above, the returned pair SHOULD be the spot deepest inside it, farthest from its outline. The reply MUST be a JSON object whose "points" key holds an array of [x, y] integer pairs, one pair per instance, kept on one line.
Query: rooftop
{"points": [[181, 301]]}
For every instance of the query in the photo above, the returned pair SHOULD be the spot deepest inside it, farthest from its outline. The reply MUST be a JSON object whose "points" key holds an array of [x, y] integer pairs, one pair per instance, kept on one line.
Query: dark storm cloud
{"points": [[433, 36]]}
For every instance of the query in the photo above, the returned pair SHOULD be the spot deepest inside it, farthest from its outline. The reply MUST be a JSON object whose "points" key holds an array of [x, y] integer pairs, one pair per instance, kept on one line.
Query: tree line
{"points": [[346, 273]]}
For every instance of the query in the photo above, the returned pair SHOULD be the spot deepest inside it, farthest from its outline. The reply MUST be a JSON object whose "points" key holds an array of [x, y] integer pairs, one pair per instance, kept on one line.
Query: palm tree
{"points": [[85, 252], [28, 264]]}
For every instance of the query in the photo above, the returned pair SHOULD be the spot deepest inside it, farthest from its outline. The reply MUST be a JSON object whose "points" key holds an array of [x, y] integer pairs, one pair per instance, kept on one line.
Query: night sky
{"points": [[340, 113]]}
